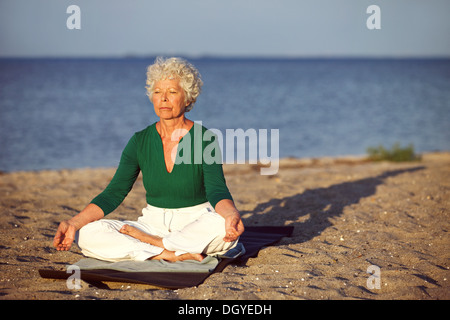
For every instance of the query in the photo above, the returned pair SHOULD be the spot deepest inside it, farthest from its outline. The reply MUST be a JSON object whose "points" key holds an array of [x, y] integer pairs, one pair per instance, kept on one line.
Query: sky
{"points": [[281, 28]]}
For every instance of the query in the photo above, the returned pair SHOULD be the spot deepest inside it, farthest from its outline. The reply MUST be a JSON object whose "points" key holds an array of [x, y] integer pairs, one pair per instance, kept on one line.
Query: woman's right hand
{"points": [[65, 236]]}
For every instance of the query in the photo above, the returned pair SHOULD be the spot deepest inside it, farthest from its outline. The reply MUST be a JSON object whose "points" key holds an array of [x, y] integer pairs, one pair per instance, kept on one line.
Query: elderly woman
{"points": [[190, 212]]}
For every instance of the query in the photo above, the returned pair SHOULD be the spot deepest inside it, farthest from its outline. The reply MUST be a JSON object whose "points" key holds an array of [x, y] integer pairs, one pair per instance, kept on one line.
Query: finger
{"points": [[56, 241], [230, 236], [237, 228], [241, 228], [229, 239], [61, 247], [57, 238], [66, 243]]}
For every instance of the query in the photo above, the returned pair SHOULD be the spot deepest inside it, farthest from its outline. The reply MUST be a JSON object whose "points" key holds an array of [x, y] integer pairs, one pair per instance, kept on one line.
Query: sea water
{"points": [[74, 113]]}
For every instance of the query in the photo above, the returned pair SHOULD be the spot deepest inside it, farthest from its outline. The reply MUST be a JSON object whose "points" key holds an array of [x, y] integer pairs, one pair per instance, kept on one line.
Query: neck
{"points": [[166, 127]]}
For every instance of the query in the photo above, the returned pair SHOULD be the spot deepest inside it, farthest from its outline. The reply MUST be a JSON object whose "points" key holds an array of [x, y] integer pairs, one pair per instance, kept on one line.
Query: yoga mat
{"points": [[173, 275]]}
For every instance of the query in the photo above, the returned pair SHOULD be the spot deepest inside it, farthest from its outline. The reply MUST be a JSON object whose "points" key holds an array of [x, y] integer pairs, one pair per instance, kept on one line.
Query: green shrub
{"points": [[396, 153]]}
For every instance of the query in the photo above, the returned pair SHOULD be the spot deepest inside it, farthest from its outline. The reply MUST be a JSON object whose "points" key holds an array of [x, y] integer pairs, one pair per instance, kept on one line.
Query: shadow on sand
{"points": [[310, 212]]}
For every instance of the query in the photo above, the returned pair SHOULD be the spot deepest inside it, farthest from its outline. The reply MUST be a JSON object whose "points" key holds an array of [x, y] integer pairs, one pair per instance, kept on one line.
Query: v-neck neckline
{"points": [[162, 149]]}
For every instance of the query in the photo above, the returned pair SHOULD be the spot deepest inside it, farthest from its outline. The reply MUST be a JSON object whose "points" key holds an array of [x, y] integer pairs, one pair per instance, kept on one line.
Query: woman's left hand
{"points": [[233, 223], [233, 227]]}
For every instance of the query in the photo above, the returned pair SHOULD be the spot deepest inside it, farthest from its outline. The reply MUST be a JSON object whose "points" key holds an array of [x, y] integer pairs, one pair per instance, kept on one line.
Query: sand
{"points": [[350, 216]]}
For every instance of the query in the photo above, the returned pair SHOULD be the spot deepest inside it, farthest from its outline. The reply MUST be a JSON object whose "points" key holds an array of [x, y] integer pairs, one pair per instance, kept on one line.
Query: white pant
{"points": [[197, 229]]}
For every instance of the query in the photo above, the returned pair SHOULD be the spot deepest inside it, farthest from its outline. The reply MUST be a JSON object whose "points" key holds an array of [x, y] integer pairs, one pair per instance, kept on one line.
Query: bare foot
{"points": [[191, 256], [133, 232], [171, 257], [156, 241]]}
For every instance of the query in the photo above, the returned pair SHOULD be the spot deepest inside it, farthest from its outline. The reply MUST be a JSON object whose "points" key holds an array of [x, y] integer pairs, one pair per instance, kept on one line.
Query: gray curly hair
{"points": [[170, 68]]}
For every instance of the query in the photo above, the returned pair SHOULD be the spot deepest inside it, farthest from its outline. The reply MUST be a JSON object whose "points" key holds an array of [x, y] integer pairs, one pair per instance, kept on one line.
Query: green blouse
{"points": [[196, 178]]}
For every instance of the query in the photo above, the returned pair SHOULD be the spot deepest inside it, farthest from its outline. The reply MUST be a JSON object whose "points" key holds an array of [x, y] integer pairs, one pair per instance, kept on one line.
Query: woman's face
{"points": [[169, 99]]}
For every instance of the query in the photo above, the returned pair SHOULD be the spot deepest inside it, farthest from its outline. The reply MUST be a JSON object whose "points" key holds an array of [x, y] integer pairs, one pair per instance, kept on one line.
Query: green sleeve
{"points": [[214, 179], [123, 180]]}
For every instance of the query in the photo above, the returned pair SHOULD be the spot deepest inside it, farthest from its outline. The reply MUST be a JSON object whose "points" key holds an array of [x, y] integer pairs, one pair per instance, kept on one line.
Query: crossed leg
{"points": [[157, 241]]}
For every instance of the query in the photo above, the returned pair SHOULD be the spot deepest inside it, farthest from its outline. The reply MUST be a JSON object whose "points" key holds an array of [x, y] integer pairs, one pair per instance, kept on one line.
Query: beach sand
{"points": [[349, 214]]}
